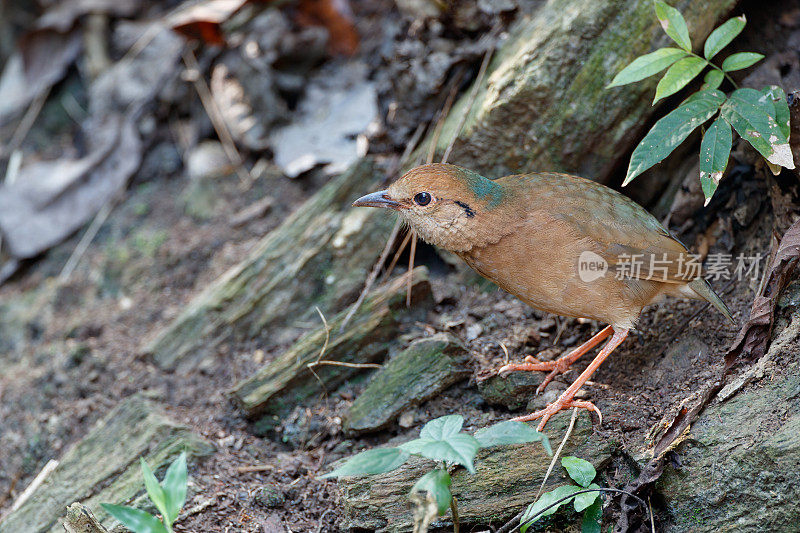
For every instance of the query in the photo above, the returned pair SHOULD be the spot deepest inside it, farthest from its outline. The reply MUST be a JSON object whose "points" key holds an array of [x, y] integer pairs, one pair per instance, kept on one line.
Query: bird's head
{"points": [[446, 205]]}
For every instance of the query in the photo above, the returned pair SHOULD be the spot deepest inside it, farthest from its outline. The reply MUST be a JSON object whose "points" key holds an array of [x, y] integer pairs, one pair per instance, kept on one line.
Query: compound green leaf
{"points": [[674, 25], [436, 483], [375, 461], [647, 65], [715, 149], [459, 448], [722, 36], [740, 61], [442, 427], [747, 111], [673, 129], [781, 113], [678, 75]]}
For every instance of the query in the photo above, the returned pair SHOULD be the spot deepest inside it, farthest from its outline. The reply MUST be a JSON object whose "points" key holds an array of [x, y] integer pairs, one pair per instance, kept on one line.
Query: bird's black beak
{"points": [[376, 199]]}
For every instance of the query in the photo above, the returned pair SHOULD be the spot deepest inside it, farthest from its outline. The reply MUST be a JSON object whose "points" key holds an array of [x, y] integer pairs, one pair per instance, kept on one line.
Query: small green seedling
{"points": [[441, 440], [583, 473], [759, 117], [168, 497]]}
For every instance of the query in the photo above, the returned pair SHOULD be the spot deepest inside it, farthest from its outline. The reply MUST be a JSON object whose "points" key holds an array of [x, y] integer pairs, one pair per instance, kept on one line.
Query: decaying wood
{"points": [[288, 381], [319, 257]]}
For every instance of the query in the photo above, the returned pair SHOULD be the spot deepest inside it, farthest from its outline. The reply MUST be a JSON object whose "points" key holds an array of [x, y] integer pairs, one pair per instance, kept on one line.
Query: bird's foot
{"points": [[562, 404], [531, 364]]}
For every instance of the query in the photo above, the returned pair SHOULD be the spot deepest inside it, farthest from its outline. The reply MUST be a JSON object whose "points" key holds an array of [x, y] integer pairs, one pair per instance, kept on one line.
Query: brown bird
{"points": [[562, 244]]}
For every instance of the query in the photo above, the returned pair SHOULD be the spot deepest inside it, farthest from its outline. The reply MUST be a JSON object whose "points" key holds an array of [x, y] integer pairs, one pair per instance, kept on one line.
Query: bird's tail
{"points": [[704, 290]]}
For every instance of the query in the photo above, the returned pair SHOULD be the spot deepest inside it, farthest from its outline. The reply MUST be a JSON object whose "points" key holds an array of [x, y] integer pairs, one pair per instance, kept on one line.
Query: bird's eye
{"points": [[422, 198]]}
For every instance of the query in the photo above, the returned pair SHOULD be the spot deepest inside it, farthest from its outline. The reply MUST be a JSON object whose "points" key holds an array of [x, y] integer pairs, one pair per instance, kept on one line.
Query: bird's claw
{"points": [[531, 364], [558, 405]]}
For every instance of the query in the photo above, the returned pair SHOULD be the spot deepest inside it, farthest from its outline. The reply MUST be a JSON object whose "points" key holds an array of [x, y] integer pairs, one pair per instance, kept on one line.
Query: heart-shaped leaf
{"points": [[647, 65], [459, 448], [442, 427]]}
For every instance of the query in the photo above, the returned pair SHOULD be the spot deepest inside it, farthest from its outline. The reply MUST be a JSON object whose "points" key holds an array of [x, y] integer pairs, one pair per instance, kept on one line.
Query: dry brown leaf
{"points": [[336, 16], [202, 21]]}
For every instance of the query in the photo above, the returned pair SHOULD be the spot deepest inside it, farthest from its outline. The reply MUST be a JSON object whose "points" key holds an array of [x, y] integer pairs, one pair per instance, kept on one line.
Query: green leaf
{"points": [[672, 130], [460, 448], [580, 470], [415, 446], [592, 517], [722, 36], [134, 519], [781, 114], [437, 483], [740, 61], [674, 25], [154, 488], [375, 461], [713, 79], [442, 427], [678, 75], [746, 111], [548, 498], [714, 152], [647, 65], [582, 501], [510, 432], [174, 484]]}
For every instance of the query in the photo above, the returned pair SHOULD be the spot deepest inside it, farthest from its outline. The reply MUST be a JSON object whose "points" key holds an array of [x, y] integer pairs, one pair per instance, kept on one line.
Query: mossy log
{"points": [[288, 381], [104, 466], [506, 481], [543, 104], [319, 257], [424, 369]]}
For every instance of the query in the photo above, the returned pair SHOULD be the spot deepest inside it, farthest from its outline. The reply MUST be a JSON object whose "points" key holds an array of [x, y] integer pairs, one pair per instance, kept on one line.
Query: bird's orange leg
{"points": [[557, 366], [565, 401]]}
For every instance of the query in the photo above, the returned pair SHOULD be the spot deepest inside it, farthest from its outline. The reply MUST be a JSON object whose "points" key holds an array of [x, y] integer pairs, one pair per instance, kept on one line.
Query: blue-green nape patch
{"points": [[482, 188]]}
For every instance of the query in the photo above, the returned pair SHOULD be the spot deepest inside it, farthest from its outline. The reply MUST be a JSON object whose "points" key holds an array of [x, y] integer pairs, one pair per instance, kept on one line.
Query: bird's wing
{"points": [[629, 238]]}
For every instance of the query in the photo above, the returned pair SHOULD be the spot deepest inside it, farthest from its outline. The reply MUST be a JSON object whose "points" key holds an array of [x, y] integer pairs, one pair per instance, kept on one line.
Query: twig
{"points": [[652, 520], [327, 335], [411, 258], [510, 525], [26, 123], [214, 113], [86, 240], [505, 351], [399, 252], [254, 468], [341, 363], [38, 480], [373, 274], [321, 518], [454, 511]]}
